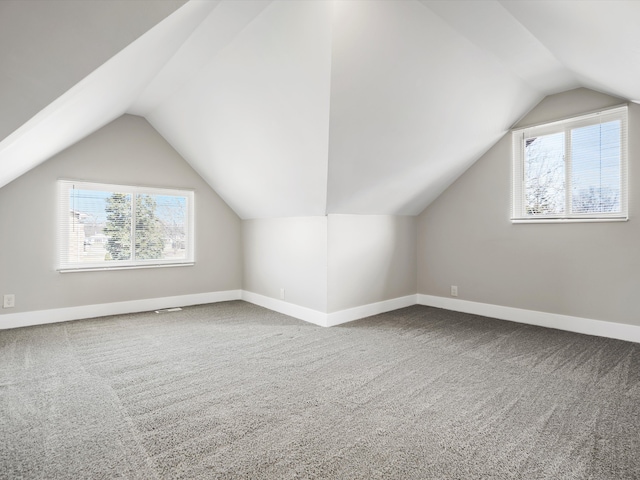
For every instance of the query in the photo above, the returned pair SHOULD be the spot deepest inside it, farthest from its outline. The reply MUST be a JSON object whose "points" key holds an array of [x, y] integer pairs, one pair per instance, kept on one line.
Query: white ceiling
{"points": [[598, 41], [254, 119], [305, 108], [413, 104]]}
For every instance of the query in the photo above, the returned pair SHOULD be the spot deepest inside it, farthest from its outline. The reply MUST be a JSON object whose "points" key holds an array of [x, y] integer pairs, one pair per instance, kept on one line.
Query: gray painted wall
{"points": [[126, 151], [372, 258], [589, 270], [289, 253]]}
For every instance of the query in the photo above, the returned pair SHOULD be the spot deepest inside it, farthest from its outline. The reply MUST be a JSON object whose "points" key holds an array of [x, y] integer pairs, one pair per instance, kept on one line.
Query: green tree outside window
{"points": [[149, 238]]}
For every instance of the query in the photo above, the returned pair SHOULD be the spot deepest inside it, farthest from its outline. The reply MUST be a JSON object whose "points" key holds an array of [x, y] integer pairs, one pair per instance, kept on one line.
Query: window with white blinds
{"points": [[571, 170], [104, 226]]}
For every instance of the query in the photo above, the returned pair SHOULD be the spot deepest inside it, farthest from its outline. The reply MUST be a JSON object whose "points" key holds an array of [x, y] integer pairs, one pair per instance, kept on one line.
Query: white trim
{"points": [[65, 262], [620, 331], [363, 311], [565, 127], [588, 326], [328, 319], [41, 317], [296, 311], [130, 267], [569, 220], [129, 188]]}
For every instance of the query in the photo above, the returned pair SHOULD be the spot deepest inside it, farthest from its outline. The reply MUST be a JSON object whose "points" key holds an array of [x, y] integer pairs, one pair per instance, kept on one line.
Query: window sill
{"points": [[569, 220], [124, 267]]}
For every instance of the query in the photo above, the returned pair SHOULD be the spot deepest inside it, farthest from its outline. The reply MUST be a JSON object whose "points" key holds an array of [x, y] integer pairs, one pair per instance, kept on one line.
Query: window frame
{"points": [[64, 207], [518, 187]]}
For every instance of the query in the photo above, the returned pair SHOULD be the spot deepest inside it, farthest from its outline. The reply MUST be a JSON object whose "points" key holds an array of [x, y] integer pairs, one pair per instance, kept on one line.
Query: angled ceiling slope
{"points": [[307, 108], [49, 46], [254, 120], [101, 96]]}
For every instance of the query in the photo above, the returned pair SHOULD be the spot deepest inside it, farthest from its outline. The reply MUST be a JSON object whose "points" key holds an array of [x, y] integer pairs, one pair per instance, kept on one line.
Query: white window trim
{"points": [[64, 186], [517, 189]]}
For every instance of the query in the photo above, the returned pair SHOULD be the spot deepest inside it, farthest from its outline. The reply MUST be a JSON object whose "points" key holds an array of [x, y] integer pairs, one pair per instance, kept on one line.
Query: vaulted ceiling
{"points": [[310, 107]]}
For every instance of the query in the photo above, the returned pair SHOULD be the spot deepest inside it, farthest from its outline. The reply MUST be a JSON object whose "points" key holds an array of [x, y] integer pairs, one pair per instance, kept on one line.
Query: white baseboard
{"points": [[40, 317], [328, 319], [620, 331], [280, 306], [356, 313]]}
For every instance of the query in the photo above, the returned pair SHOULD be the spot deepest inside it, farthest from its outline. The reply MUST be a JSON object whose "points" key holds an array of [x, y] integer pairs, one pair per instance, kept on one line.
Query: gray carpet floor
{"points": [[231, 390]]}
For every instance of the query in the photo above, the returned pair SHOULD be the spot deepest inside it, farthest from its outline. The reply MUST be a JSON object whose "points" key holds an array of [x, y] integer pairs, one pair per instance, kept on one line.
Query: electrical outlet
{"points": [[454, 291], [9, 301], [282, 294]]}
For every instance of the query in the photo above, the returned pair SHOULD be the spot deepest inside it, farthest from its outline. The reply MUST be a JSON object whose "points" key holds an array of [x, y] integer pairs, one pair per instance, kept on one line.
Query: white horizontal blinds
{"points": [[161, 227], [107, 226], [112, 240], [572, 169], [94, 226], [596, 174]]}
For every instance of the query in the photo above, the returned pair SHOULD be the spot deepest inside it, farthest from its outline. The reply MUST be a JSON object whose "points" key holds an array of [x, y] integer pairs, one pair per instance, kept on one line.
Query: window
{"points": [[115, 226], [571, 170]]}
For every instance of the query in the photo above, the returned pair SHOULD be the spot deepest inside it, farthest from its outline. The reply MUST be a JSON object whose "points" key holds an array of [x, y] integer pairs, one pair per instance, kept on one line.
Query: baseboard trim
{"points": [[328, 319], [356, 313], [56, 315], [41, 317], [600, 328], [587, 326], [280, 306]]}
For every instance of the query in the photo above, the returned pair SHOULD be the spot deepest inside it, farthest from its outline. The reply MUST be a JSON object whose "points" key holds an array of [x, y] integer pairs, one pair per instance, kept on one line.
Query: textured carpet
{"points": [[231, 390]]}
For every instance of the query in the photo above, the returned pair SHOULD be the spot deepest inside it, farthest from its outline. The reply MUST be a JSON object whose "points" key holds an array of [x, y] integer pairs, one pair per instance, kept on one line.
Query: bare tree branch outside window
{"points": [[544, 173]]}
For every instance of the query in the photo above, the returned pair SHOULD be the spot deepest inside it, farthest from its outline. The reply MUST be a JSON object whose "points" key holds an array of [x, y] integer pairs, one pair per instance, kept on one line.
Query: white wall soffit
{"points": [[254, 120], [597, 40], [100, 97], [413, 104]]}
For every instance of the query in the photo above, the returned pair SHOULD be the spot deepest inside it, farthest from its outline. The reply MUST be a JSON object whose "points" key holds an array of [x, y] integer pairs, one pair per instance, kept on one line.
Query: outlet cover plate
{"points": [[9, 301]]}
